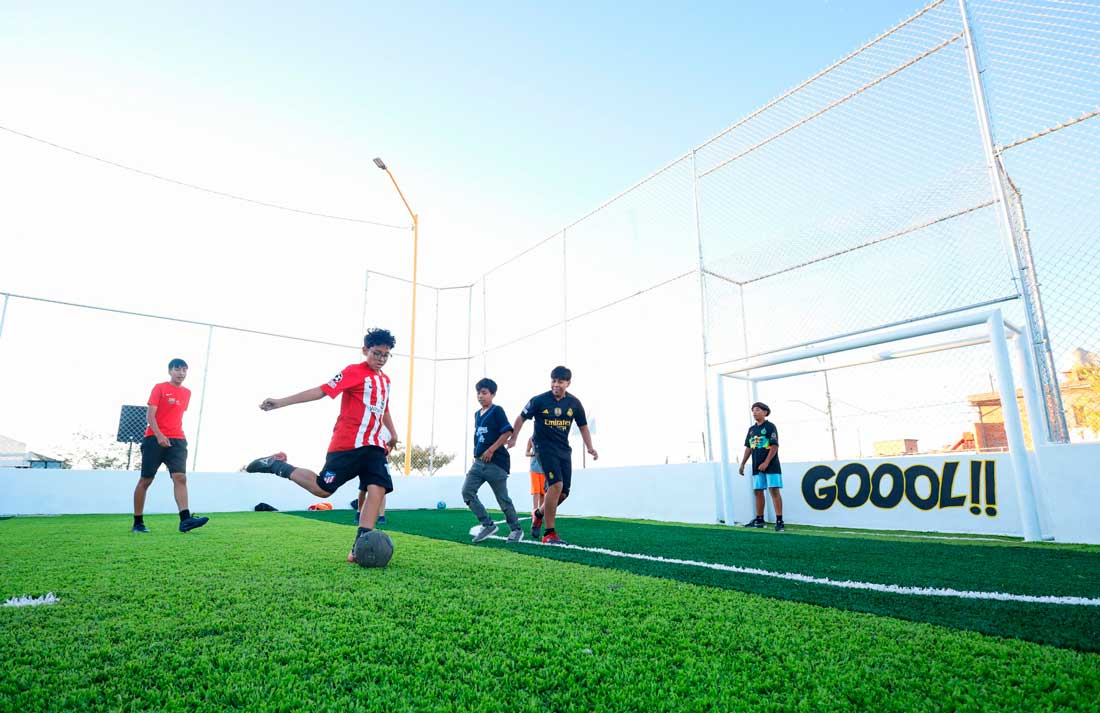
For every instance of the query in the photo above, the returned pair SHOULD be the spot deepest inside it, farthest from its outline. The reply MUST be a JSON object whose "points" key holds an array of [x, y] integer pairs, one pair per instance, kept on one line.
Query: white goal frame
{"points": [[998, 333]]}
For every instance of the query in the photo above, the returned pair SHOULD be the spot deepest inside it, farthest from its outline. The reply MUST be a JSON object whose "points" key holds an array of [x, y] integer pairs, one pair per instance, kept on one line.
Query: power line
{"points": [[203, 189]]}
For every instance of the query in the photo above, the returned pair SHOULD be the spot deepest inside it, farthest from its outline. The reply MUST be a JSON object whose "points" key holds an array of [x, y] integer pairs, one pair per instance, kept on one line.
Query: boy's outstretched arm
{"points": [[516, 427], [587, 438], [299, 398]]}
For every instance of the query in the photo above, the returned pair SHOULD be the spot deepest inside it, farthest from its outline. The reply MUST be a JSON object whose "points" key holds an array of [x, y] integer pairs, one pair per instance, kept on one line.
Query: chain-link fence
{"points": [[951, 163]]}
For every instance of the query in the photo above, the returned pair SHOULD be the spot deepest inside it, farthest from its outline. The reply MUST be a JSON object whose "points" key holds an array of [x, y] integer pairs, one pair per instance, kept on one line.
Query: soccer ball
{"points": [[441, 505], [374, 549]]}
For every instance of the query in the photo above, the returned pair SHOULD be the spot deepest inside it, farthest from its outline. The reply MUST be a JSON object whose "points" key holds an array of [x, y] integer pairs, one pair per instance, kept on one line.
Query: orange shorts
{"points": [[538, 483]]}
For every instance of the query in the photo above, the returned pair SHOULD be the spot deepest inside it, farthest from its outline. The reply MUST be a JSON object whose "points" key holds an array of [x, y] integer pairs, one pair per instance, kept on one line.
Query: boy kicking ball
{"points": [[357, 448]]}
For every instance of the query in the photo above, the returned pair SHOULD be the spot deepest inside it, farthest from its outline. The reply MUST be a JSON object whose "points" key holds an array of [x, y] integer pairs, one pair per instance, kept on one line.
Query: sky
{"points": [[502, 123]]}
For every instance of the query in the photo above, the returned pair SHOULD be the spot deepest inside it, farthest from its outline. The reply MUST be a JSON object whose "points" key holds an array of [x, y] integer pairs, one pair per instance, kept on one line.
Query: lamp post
{"points": [[412, 339]]}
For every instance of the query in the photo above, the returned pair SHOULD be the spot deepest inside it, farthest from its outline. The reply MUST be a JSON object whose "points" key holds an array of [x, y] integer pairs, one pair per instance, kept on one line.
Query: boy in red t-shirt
{"points": [[165, 443], [362, 437]]}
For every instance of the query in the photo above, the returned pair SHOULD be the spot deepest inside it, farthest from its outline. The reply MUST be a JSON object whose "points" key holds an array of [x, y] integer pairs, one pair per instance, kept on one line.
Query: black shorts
{"points": [[558, 468], [367, 463], [153, 454]]}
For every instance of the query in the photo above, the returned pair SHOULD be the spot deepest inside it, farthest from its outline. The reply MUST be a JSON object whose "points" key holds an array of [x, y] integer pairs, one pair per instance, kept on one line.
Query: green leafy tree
{"points": [[1087, 405], [427, 460], [98, 451]]}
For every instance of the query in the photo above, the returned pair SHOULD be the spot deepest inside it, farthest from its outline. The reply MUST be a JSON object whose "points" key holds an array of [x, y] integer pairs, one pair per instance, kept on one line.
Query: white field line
{"points": [[842, 584], [961, 538], [31, 601], [474, 530]]}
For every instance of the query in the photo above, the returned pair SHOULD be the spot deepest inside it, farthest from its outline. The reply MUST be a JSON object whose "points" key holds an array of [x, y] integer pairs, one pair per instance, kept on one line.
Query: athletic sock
{"points": [[549, 532], [779, 518], [184, 514], [282, 469], [538, 514], [139, 520]]}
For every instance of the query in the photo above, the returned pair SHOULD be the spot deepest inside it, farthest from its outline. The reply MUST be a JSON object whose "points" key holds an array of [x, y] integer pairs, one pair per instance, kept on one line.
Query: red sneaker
{"points": [[553, 539]]}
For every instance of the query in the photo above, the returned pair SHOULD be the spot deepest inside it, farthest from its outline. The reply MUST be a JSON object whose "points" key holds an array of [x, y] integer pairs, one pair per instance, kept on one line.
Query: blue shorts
{"points": [[760, 481]]}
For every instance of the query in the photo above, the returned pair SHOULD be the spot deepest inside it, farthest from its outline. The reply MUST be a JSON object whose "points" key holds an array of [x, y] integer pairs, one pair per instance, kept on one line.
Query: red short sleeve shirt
{"points": [[365, 396], [171, 401]]}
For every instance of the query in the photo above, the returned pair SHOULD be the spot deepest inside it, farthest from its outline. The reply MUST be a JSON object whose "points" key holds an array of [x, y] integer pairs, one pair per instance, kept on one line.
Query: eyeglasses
{"points": [[381, 356]]}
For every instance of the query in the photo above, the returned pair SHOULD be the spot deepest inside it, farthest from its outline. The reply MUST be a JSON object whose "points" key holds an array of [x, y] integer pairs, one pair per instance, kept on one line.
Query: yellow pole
{"points": [[412, 339], [412, 353]]}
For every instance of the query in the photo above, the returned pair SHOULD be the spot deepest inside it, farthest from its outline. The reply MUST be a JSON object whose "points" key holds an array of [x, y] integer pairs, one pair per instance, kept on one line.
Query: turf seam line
{"points": [[842, 584]]}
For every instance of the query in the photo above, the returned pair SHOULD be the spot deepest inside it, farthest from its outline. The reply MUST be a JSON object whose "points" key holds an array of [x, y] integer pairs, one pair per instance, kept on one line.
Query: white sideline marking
{"points": [[843, 584], [477, 528], [961, 538], [27, 601]]}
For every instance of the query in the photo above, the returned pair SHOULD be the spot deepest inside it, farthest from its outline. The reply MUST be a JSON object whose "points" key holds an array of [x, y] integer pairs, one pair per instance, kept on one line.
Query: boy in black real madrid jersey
{"points": [[762, 443], [554, 413]]}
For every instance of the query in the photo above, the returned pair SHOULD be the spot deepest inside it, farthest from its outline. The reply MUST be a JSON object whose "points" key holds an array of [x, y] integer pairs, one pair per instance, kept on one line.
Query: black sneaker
{"points": [[779, 526], [192, 522], [263, 465], [140, 529], [755, 522]]}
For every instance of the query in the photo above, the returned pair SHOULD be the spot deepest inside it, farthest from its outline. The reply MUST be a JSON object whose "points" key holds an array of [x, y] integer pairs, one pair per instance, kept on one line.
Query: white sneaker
{"points": [[484, 532], [515, 535]]}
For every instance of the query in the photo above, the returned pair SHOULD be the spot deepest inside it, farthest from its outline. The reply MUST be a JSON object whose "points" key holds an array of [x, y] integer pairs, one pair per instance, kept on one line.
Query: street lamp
{"points": [[412, 340]]}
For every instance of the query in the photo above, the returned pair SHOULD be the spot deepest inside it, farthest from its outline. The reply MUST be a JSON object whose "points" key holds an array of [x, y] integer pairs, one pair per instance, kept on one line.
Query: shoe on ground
{"points": [[755, 522], [193, 522], [263, 465], [484, 532], [381, 521], [140, 529], [515, 535], [553, 540], [779, 526]]}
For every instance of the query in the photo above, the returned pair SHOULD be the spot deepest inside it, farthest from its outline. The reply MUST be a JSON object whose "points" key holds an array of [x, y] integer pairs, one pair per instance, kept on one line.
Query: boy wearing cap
{"points": [[165, 443], [762, 444]]}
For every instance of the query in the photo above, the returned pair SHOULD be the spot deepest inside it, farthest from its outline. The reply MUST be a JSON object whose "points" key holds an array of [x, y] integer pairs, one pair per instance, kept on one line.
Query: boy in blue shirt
{"points": [[491, 463]]}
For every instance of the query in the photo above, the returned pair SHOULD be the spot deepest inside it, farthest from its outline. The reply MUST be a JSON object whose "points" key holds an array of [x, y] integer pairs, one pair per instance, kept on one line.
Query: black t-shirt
{"points": [[760, 438], [553, 419], [487, 429]]}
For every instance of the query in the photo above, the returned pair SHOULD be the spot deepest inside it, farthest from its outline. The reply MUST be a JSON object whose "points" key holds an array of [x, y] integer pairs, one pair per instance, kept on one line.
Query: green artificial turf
{"points": [[1008, 567], [259, 611]]}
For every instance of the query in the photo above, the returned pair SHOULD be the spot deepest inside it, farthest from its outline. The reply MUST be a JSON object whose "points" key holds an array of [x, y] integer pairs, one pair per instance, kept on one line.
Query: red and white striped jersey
{"points": [[366, 396]]}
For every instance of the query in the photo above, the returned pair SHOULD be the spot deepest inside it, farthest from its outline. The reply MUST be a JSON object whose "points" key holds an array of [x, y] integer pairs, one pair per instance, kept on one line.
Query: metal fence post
{"points": [[469, 358], [4, 314], [564, 301], [703, 317], [202, 397], [1023, 270]]}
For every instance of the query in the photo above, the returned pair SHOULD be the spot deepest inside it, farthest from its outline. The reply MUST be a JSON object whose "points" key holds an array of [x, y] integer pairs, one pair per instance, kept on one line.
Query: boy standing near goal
{"points": [[762, 444], [357, 448], [554, 413], [165, 443]]}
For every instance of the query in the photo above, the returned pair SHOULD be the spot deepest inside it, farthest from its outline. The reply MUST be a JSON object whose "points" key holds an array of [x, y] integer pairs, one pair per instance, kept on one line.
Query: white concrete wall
{"points": [[1068, 489]]}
